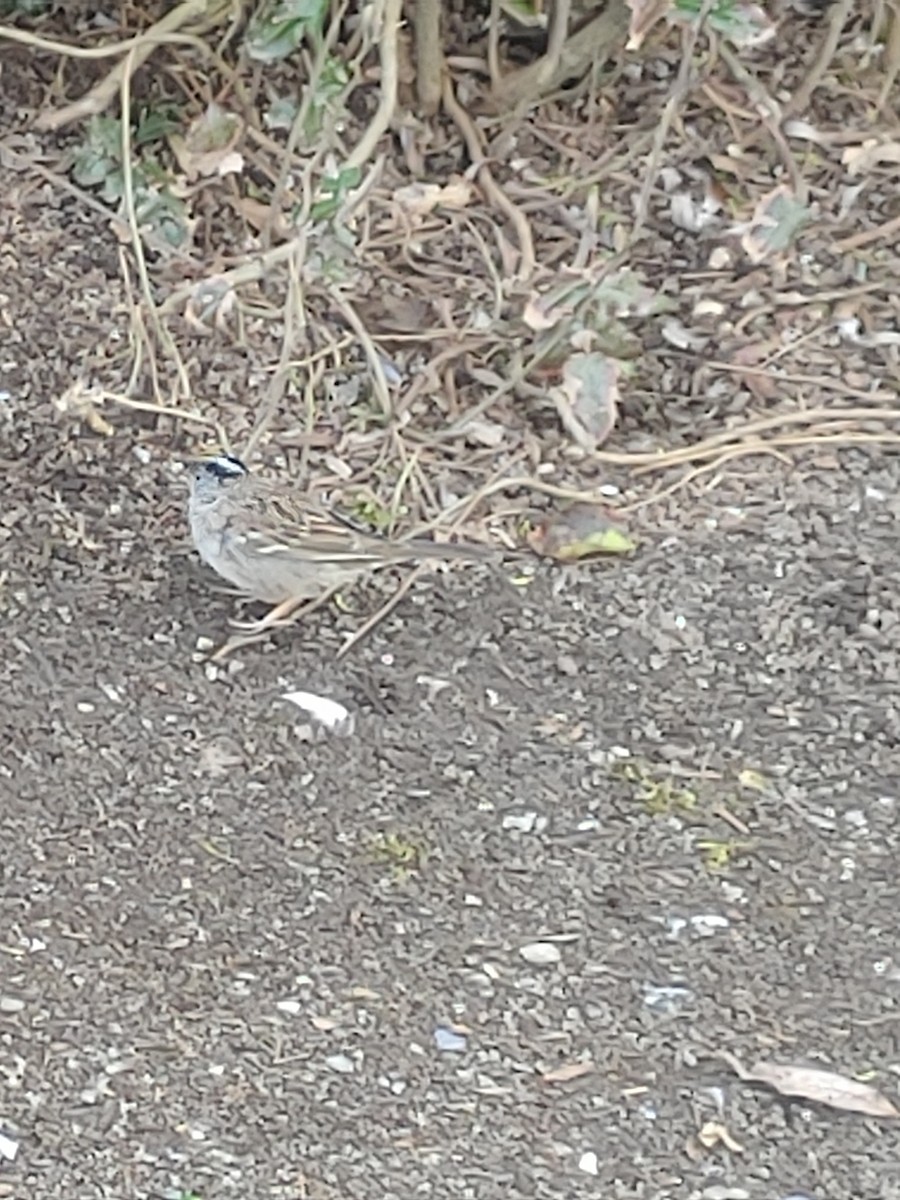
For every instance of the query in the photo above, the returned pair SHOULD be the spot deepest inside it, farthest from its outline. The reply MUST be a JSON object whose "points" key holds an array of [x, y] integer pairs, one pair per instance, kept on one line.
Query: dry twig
{"points": [[298, 126], [199, 13], [556, 42], [377, 617], [590, 45], [891, 65], [680, 89], [163, 336], [837, 19], [492, 190], [429, 55], [391, 12], [294, 324]]}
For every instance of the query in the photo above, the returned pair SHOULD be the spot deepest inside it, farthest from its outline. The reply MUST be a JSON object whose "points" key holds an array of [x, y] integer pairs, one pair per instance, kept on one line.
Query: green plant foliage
{"points": [[23, 8], [98, 164], [279, 26], [741, 22], [333, 189]]}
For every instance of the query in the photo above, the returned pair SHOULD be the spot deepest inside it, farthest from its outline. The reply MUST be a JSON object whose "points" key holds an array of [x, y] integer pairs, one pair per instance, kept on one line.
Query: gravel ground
{"points": [[243, 960], [585, 835]]}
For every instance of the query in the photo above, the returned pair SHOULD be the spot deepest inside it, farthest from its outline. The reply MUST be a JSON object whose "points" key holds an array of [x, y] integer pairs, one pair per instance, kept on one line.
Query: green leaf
{"points": [[164, 213], [742, 22], [777, 219], [104, 134], [153, 124], [91, 168], [527, 12], [23, 8], [580, 531], [330, 84], [280, 26], [333, 189], [281, 113]]}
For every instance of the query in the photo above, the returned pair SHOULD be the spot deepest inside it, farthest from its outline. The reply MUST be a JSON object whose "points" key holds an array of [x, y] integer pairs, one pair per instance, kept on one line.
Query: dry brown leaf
{"points": [[568, 1071], [644, 15], [872, 153], [763, 385], [397, 314], [541, 314], [324, 1024], [588, 398], [208, 147], [579, 532], [817, 1086], [824, 1087], [486, 433], [417, 200], [714, 1133], [260, 216], [753, 781], [83, 403]]}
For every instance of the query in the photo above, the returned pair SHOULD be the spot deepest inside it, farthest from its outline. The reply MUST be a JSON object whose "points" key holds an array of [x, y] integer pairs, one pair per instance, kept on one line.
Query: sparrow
{"points": [[275, 544]]}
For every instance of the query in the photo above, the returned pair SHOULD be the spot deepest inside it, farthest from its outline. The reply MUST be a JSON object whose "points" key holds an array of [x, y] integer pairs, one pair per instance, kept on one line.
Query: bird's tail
{"points": [[422, 548]]}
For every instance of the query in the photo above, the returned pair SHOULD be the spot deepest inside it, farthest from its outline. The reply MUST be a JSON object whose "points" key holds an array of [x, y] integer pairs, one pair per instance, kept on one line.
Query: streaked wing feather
{"points": [[289, 523]]}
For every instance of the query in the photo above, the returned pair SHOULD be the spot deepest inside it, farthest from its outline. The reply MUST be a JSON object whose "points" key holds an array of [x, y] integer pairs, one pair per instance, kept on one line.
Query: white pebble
{"points": [[340, 1063], [541, 954], [330, 713], [291, 1007], [520, 822], [588, 1163]]}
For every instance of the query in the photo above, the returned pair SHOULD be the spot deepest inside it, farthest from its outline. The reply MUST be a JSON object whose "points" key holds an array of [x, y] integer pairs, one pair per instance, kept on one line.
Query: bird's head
{"points": [[210, 475]]}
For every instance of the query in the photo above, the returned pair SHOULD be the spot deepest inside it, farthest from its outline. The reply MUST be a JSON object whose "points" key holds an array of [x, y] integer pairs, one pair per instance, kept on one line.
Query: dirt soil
{"points": [[583, 836]]}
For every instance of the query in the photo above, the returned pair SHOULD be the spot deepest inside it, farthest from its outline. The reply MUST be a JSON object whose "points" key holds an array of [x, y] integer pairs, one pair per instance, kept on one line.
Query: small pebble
{"points": [[449, 1041], [291, 1007], [541, 954], [708, 924], [520, 822], [588, 1163], [340, 1063]]}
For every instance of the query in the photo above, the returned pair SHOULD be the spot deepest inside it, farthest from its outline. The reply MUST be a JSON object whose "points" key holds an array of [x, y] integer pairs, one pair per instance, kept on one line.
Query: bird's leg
{"points": [[285, 613], [275, 617], [235, 643]]}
